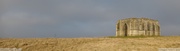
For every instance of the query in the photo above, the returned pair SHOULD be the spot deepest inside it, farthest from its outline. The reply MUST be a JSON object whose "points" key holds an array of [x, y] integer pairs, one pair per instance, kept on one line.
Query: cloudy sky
{"points": [[82, 18]]}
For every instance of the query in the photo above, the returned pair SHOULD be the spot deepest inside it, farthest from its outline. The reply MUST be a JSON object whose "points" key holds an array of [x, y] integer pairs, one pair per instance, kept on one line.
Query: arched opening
{"points": [[142, 26], [148, 29], [125, 30], [153, 29], [118, 26], [158, 29]]}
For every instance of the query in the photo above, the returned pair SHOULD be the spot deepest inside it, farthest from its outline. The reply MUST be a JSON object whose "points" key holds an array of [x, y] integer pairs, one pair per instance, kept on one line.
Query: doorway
{"points": [[125, 30]]}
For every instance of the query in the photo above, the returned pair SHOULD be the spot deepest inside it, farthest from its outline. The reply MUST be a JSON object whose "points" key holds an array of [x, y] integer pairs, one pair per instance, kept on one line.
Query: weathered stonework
{"points": [[137, 27]]}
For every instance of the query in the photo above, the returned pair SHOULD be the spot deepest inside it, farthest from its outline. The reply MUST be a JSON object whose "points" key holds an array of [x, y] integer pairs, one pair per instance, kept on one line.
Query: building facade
{"points": [[137, 27]]}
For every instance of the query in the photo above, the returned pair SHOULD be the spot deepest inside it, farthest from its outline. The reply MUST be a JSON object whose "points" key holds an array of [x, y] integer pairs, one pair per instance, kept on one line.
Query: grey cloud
{"points": [[18, 19], [81, 18]]}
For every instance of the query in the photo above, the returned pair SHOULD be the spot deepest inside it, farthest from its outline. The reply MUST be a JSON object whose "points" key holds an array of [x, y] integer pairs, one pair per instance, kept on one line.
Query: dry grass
{"points": [[91, 44]]}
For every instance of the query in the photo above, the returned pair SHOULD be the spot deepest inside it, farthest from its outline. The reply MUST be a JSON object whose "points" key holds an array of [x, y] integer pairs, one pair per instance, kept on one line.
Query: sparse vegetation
{"points": [[111, 43]]}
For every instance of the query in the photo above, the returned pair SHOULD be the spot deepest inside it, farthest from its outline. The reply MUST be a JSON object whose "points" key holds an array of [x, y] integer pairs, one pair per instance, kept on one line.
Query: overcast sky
{"points": [[82, 18]]}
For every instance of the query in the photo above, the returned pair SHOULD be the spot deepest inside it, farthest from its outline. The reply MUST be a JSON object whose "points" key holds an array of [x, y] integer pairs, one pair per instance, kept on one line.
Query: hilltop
{"points": [[91, 44]]}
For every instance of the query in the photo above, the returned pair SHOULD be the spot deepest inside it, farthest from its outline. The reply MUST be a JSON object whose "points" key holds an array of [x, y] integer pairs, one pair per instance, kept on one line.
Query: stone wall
{"points": [[137, 27]]}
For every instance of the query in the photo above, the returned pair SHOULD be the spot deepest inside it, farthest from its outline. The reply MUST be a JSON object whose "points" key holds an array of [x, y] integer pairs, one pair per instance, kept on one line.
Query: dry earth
{"points": [[91, 44]]}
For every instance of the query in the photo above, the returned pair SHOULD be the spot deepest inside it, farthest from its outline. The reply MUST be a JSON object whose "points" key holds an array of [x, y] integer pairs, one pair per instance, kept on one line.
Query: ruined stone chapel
{"points": [[137, 27]]}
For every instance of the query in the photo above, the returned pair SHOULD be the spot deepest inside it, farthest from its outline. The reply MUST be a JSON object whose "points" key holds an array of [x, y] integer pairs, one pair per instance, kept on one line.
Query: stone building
{"points": [[137, 27]]}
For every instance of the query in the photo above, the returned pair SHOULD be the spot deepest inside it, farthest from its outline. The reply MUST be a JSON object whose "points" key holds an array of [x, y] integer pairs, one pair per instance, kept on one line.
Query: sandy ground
{"points": [[91, 44]]}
